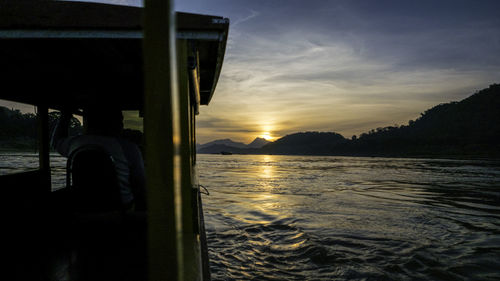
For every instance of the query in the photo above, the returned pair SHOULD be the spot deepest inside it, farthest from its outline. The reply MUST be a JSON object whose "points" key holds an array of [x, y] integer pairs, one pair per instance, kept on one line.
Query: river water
{"points": [[343, 218]]}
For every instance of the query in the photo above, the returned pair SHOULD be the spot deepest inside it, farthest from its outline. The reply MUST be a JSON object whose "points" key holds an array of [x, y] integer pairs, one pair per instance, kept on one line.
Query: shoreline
{"points": [[419, 157]]}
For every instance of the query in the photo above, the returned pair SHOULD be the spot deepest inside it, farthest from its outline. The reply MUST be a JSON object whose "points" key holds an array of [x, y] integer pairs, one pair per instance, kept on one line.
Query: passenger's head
{"points": [[102, 120]]}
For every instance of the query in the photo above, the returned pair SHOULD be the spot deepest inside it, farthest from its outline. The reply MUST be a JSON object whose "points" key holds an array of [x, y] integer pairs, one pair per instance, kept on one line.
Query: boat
{"points": [[59, 54]]}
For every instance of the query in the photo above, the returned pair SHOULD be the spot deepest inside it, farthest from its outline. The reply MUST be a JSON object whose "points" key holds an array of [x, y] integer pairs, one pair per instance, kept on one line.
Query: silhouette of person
{"points": [[103, 127]]}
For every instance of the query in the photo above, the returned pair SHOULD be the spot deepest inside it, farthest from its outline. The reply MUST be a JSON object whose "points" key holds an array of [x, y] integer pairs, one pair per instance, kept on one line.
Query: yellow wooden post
{"points": [[161, 130], [191, 237]]}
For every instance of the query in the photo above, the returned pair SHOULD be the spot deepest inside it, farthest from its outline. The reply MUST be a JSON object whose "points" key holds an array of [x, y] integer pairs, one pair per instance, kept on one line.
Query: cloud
{"points": [[238, 21], [345, 65]]}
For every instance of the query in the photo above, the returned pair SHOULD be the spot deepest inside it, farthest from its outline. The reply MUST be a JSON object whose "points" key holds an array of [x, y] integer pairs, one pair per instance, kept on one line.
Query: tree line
{"points": [[18, 130], [466, 129]]}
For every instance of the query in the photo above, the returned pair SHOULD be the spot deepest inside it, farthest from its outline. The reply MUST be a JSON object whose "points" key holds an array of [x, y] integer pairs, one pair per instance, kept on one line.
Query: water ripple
{"points": [[341, 218]]}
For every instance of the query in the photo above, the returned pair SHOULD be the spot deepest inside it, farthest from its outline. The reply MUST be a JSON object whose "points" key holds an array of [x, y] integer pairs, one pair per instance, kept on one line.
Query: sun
{"points": [[266, 136]]}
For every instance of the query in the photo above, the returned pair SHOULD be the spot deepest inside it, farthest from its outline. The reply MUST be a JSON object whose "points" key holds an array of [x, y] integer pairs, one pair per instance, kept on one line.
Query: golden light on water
{"points": [[266, 169]]}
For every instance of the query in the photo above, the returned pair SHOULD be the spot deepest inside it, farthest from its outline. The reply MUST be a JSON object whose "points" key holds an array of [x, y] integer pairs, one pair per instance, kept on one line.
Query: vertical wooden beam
{"points": [[161, 130], [192, 261], [43, 146], [193, 134]]}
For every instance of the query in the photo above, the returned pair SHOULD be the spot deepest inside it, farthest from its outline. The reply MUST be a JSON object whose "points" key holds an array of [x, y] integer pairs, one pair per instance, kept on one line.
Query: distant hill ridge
{"points": [[226, 142], [18, 130], [469, 128], [258, 143], [305, 143], [227, 145]]}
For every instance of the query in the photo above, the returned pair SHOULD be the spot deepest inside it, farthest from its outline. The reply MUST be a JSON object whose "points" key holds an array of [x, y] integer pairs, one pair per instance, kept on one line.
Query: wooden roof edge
{"points": [[218, 68], [67, 15], [19, 14], [34, 15]]}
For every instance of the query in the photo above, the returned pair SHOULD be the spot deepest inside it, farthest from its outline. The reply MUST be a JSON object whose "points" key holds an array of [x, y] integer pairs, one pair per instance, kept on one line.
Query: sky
{"points": [[344, 66]]}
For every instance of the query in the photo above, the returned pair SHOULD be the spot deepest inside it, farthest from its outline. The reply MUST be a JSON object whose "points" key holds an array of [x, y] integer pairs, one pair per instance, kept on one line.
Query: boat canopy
{"points": [[60, 54]]}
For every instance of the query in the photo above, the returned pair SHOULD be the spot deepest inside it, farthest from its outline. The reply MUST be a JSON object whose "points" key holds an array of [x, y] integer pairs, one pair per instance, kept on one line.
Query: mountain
{"points": [[258, 143], [305, 143], [226, 142], [466, 129], [227, 145], [220, 148], [469, 128], [18, 130]]}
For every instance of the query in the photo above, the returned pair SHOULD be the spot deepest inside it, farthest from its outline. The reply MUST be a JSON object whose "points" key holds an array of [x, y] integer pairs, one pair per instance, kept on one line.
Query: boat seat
{"points": [[92, 181], [108, 239]]}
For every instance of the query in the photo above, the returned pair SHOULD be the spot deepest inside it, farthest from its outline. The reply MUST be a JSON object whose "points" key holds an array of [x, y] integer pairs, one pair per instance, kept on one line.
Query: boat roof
{"points": [[59, 54]]}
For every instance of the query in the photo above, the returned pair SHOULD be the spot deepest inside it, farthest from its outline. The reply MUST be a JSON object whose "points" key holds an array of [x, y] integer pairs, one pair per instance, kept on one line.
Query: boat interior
{"points": [[59, 55]]}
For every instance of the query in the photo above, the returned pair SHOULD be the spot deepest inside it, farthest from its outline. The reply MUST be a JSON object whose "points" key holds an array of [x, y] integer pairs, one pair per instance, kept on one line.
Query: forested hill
{"points": [[470, 127], [18, 131], [305, 143], [466, 129], [15, 124]]}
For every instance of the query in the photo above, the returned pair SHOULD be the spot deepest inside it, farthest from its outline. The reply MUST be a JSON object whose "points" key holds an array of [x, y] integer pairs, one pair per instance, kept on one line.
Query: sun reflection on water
{"points": [[293, 217], [266, 169]]}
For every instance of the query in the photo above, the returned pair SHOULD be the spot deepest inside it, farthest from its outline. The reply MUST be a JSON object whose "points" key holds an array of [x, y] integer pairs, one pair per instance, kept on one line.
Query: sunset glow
{"points": [[267, 136], [345, 66]]}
